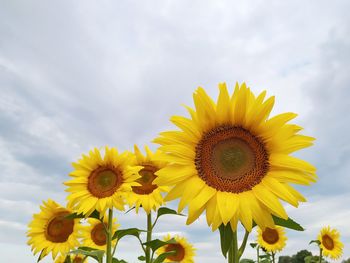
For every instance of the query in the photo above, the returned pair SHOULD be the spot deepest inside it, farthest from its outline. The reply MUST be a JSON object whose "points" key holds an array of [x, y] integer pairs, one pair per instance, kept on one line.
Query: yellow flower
{"points": [[50, 231], [74, 259], [94, 235], [148, 195], [99, 183], [330, 243], [184, 250], [230, 159], [272, 239]]}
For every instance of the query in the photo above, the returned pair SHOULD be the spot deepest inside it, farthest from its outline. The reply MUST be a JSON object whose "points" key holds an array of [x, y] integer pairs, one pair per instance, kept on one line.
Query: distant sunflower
{"points": [[330, 243], [99, 183], [184, 250], [94, 235], [148, 194], [50, 230], [272, 239], [231, 160], [73, 258]]}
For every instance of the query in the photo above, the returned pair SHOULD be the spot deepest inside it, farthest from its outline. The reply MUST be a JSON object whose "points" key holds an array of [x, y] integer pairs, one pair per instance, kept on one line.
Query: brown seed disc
{"points": [[98, 235], [180, 252], [146, 180], [59, 228], [231, 159], [104, 181], [327, 242], [270, 236], [77, 260]]}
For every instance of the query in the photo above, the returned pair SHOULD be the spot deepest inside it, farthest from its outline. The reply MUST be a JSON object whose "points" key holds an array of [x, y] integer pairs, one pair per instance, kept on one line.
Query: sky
{"points": [[81, 74]]}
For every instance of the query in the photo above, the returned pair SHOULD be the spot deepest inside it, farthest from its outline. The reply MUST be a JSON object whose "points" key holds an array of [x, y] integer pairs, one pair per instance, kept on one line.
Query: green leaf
{"points": [[253, 245], [115, 260], [157, 243], [68, 259], [90, 252], [226, 237], [167, 211], [127, 232], [246, 260], [163, 256], [315, 241], [142, 258], [289, 223]]}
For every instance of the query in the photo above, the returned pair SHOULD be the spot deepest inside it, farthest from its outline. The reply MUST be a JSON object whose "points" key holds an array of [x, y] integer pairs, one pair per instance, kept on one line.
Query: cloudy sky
{"points": [[79, 74]]}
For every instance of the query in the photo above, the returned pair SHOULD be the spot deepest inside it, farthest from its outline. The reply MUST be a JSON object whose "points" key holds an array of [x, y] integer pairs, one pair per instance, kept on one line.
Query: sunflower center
{"points": [[179, 252], [146, 180], [327, 241], [77, 259], [231, 159], [98, 235], [59, 228], [270, 236], [104, 181]]}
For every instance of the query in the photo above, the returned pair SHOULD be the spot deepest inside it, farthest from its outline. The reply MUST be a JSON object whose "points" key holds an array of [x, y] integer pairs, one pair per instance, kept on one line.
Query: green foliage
{"points": [[289, 223], [346, 261], [157, 243], [127, 232], [284, 259], [300, 256], [246, 260], [314, 259], [115, 260], [226, 237], [90, 252]]}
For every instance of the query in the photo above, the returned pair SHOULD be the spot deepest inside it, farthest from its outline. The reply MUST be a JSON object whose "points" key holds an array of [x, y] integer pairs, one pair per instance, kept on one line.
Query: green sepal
{"points": [[68, 259], [41, 255], [253, 245], [142, 258], [287, 223], [315, 241], [90, 252], [127, 232], [115, 260], [94, 214], [226, 237], [157, 243], [163, 256]]}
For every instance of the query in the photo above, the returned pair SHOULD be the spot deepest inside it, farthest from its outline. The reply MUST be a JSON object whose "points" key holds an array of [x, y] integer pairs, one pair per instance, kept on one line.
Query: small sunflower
{"points": [[94, 234], [99, 183], [73, 258], [233, 161], [330, 243], [147, 195], [50, 230], [272, 239], [184, 250]]}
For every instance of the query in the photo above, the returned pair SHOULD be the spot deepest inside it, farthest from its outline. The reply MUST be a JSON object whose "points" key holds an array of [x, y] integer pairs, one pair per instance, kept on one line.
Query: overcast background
{"points": [[79, 74]]}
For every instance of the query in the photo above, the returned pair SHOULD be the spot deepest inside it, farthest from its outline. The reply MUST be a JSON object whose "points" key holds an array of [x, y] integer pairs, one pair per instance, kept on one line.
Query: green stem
{"points": [[149, 237], [244, 243], [109, 236], [257, 252], [230, 255], [273, 257], [233, 256], [320, 259]]}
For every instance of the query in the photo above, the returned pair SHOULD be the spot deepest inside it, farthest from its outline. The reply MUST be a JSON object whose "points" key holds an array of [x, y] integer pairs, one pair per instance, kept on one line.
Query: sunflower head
{"points": [[100, 182], [330, 243], [94, 233], [184, 251], [272, 239], [233, 161], [50, 230], [147, 194]]}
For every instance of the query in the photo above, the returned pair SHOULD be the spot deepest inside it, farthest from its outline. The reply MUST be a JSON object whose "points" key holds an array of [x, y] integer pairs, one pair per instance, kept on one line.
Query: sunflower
{"points": [[99, 183], [272, 239], [184, 250], [73, 259], [94, 235], [233, 161], [148, 195], [51, 231], [330, 243]]}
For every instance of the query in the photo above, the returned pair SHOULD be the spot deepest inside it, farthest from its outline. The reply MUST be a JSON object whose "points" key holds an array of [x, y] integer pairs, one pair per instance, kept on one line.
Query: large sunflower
{"points": [[99, 183], [50, 230], [147, 194], [330, 243], [231, 160], [184, 250], [272, 239], [94, 234]]}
